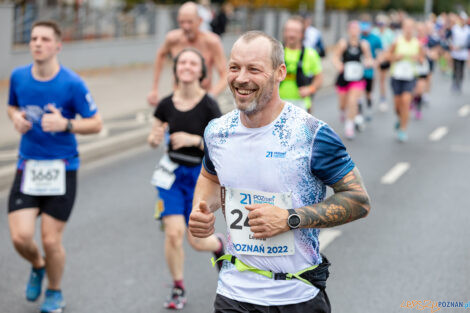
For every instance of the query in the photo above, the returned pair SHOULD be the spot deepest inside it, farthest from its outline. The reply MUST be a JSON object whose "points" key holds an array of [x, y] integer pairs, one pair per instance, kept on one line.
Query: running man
{"points": [[460, 33], [258, 166], [304, 70], [187, 112], [45, 97], [375, 45], [350, 57], [312, 37], [405, 53], [387, 37], [423, 71], [189, 35]]}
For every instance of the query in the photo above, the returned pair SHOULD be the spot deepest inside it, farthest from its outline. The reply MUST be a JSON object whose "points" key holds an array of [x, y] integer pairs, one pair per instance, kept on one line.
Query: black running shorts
{"points": [[58, 207], [401, 86], [385, 65], [369, 84], [319, 304]]}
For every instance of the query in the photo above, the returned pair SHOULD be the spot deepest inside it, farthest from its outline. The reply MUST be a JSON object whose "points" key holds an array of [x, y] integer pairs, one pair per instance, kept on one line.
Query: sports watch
{"points": [[69, 126], [293, 220]]}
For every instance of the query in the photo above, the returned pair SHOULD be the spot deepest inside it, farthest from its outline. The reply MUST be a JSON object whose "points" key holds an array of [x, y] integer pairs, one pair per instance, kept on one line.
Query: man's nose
{"points": [[242, 76]]}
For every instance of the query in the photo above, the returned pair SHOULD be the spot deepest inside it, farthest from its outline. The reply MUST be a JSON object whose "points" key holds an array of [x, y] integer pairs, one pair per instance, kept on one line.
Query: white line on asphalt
{"points": [[464, 111], [395, 172], [327, 236], [438, 133]]}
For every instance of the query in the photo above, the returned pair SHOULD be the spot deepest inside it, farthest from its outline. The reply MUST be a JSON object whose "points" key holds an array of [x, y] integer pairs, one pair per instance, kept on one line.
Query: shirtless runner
{"points": [[189, 35]]}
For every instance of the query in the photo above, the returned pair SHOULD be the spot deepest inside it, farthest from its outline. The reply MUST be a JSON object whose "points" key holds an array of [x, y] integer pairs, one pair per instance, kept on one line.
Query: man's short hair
{"points": [[51, 24], [277, 51], [297, 18]]}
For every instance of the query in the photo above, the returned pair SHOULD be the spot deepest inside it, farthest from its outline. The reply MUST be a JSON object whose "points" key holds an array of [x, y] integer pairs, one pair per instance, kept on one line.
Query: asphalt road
{"points": [[412, 246]]}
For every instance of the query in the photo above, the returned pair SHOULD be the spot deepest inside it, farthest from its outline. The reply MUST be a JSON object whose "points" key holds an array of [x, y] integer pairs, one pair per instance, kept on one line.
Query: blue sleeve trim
{"points": [[208, 166], [330, 161], [206, 161]]}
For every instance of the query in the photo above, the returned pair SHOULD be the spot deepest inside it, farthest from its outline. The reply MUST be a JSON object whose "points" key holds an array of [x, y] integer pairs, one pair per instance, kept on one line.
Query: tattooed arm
{"points": [[350, 202]]}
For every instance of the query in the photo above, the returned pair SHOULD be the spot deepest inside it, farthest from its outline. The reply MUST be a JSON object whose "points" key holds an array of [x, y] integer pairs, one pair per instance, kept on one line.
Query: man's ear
{"points": [[281, 72]]}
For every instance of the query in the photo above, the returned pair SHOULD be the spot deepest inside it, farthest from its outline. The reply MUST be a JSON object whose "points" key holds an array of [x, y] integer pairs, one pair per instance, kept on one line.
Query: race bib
{"points": [[164, 175], [353, 71], [234, 202], [404, 70], [423, 68], [44, 178]]}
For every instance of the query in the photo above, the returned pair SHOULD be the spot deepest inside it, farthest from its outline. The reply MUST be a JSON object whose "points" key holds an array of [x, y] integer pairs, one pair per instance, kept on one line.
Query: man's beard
{"points": [[258, 104]]}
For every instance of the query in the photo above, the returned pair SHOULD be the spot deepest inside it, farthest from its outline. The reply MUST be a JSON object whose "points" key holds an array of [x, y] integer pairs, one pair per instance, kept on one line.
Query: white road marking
{"points": [[395, 173], [438, 133], [464, 111], [327, 236]]}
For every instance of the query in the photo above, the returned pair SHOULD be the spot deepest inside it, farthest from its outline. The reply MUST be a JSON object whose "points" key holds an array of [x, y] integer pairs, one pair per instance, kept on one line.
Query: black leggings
{"points": [[459, 69]]}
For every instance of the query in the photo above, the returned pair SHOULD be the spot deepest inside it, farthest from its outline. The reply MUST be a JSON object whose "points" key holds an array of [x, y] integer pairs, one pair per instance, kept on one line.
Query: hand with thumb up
{"points": [[54, 121], [201, 221]]}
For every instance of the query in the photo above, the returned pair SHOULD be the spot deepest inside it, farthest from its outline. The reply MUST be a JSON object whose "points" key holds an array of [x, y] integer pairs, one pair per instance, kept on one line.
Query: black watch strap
{"points": [[69, 126]]}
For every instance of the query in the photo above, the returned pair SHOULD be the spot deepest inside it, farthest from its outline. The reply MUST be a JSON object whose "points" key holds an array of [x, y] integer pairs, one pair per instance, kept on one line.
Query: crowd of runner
{"points": [[293, 155]]}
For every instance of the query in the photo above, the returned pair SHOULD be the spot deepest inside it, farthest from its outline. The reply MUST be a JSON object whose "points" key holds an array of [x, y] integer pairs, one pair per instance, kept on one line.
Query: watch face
{"points": [[294, 220]]}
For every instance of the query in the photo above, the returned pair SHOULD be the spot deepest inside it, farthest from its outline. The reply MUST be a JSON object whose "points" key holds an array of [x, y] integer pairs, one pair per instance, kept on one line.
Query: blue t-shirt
{"points": [[375, 44], [68, 93]]}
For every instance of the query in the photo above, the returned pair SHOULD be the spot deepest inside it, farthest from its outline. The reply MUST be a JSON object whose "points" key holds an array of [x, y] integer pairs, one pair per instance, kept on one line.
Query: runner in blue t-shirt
{"points": [[375, 46], [44, 100]]}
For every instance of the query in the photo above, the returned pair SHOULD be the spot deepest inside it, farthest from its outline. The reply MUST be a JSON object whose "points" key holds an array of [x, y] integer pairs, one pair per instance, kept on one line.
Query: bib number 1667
{"points": [[49, 175]]}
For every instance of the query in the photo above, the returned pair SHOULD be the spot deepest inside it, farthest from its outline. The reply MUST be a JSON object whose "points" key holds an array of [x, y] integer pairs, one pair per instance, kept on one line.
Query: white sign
{"points": [[44, 178], [236, 216]]}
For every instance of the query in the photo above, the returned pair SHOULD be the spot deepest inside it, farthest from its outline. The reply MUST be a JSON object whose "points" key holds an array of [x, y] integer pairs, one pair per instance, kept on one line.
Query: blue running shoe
{"points": [[402, 136], [54, 302], [33, 288]]}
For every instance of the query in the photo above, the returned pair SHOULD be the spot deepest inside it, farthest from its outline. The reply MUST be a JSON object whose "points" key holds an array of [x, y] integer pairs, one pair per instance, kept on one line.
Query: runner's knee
{"points": [[174, 237], [51, 243], [21, 238]]}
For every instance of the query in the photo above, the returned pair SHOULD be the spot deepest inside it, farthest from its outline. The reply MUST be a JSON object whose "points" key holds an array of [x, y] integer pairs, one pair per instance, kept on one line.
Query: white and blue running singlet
{"points": [[296, 154]]}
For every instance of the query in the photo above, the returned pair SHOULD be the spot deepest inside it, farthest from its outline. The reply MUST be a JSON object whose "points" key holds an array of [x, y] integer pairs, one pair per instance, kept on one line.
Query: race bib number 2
{"points": [[236, 216], [44, 178]]}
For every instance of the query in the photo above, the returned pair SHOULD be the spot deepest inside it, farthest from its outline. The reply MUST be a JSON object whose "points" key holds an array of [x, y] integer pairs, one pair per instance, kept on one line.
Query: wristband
{"points": [[312, 89]]}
